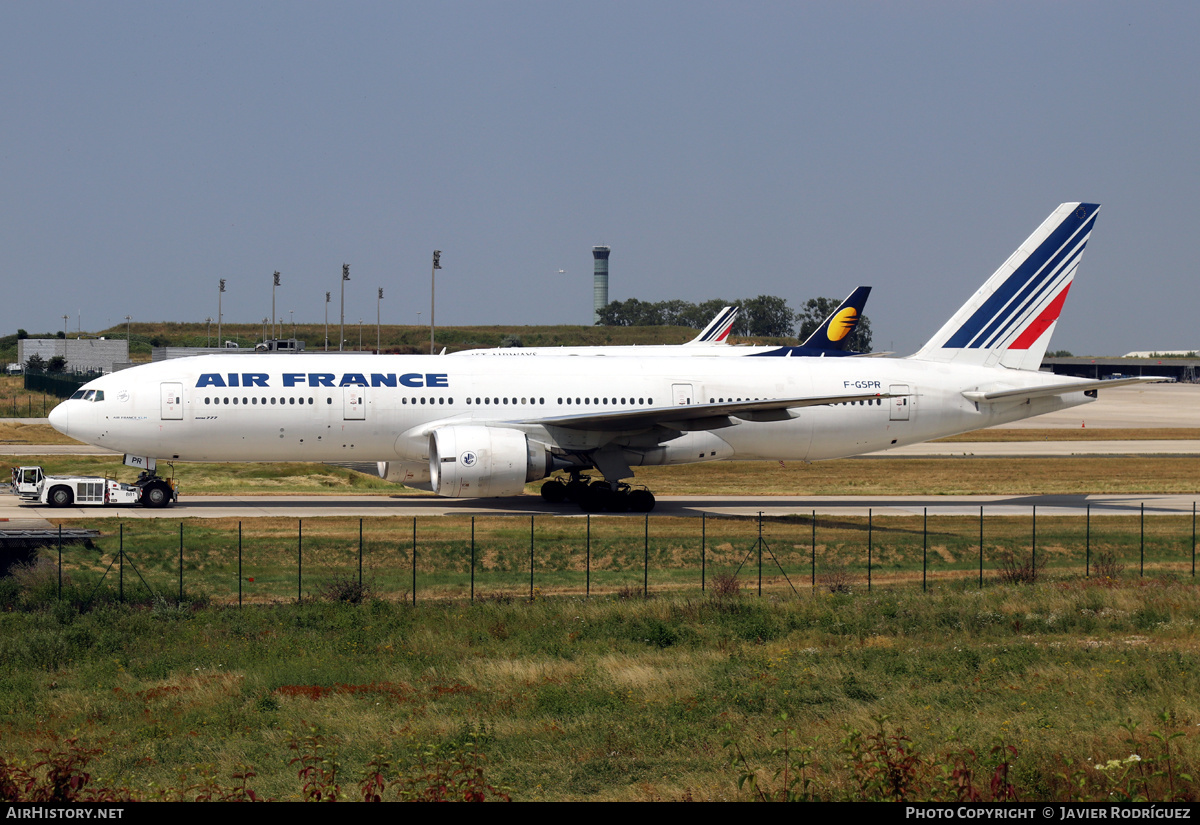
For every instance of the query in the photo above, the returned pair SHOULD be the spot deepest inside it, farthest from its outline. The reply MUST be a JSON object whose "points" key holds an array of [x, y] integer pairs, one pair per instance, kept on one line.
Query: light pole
{"points": [[220, 292], [264, 331], [378, 338], [292, 318], [274, 283], [65, 319], [327, 322], [208, 341], [342, 324], [360, 334], [127, 320], [437, 264]]}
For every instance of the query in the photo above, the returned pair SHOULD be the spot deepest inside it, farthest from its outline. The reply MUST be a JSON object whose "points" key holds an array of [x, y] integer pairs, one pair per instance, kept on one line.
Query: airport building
{"points": [[81, 354]]}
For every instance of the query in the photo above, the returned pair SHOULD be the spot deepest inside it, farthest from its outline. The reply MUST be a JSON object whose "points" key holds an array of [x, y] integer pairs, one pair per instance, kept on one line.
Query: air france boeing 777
{"points": [[478, 427]]}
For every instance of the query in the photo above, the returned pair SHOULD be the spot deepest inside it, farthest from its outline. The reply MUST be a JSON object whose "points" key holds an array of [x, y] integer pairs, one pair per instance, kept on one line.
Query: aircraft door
{"points": [[681, 394], [900, 401], [354, 403], [171, 396]]}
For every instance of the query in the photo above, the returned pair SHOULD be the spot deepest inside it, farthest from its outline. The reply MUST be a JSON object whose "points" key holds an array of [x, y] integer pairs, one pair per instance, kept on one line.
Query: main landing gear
{"points": [[595, 496]]}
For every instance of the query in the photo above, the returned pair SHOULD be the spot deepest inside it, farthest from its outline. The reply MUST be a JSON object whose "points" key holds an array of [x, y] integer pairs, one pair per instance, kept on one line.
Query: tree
{"points": [[767, 316], [35, 363], [698, 315], [816, 310], [56, 364]]}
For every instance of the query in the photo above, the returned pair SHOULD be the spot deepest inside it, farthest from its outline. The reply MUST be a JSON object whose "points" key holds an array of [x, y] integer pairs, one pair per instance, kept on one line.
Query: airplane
{"points": [[476, 427], [828, 339]]}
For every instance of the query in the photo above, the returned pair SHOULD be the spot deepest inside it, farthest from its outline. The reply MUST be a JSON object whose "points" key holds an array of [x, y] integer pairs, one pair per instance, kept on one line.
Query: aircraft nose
{"points": [[60, 418]]}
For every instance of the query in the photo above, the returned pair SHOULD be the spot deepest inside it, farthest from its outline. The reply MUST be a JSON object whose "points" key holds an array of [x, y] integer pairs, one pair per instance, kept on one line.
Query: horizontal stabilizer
{"points": [[1082, 385]]}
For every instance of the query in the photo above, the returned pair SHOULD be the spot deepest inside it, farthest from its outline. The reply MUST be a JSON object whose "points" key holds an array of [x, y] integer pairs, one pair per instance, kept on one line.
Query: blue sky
{"points": [[722, 150]]}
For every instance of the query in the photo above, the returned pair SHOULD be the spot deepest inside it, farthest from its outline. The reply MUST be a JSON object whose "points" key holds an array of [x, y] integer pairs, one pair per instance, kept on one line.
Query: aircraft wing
{"points": [[697, 416], [1082, 385]]}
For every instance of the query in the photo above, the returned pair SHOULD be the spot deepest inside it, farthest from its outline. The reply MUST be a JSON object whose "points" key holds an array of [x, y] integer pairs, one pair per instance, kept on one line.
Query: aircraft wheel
{"points": [[577, 489], [156, 494], [618, 502], [554, 491], [641, 501], [596, 498], [61, 497]]}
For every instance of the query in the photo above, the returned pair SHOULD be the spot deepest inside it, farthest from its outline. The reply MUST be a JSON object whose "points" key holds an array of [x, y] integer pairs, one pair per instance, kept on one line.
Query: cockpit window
{"points": [[78, 394], [89, 395], [99, 395]]}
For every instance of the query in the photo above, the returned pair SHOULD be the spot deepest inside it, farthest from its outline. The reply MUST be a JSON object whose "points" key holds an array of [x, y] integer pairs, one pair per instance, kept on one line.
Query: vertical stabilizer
{"points": [[717, 330], [1009, 321], [835, 333]]}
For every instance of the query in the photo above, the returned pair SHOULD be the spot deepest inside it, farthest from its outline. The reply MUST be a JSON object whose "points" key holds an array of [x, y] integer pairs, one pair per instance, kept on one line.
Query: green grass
{"points": [[285, 558], [1079, 475], [610, 699]]}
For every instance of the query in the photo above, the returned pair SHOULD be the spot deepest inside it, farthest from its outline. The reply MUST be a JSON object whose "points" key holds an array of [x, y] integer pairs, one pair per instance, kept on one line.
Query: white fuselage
{"points": [[312, 407]]}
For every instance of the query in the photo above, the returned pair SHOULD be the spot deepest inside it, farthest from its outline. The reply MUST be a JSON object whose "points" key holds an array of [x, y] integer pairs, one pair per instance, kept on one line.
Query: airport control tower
{"points": [[599, 281]]}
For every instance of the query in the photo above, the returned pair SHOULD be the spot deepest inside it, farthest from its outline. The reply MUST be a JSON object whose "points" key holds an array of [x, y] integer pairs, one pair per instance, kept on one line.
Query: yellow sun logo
{"points": [[843, 324]]}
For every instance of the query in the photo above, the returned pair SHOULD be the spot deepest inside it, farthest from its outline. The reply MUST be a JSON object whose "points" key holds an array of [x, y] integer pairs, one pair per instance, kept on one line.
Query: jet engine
{"points": [[473, 461], [409, 473]]}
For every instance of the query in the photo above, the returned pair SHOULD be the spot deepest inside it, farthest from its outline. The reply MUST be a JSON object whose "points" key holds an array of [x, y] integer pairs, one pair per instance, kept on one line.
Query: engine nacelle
{"points": [[409, 473], [472, 461]]}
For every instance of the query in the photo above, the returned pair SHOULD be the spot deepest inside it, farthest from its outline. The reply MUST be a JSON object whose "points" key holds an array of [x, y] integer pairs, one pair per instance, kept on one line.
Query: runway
{"points": [[247, 507]]}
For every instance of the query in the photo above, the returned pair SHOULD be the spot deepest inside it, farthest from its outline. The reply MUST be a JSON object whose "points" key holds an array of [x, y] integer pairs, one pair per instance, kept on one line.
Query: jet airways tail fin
{"points": [[717, 330], [1009, 321], [835, 333]]}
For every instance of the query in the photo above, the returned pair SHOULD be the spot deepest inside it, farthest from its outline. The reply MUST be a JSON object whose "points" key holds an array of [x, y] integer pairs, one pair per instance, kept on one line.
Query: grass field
{"points": [[965, 475], [272, 559], [678, 697], [18, 402]]}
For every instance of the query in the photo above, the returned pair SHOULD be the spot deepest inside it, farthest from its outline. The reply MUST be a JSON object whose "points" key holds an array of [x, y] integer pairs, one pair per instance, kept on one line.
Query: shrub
{"points": [[346, 589], [1017, 570]]}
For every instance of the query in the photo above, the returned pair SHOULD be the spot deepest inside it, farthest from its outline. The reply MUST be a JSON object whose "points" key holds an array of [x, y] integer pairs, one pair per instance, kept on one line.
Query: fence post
{"points": [[299, 560], [980, 546], [1033, 542], [121, 566], [758, 548], [414, 563], [646, 559], [60, 560], [924, 549], [239, 564], [181, 562], [813, 583], [472, 559], [1193, 540], [703, 547], [360, 554], [531, 558], [870, 544], [1087, 564], [588, 560], [1142, 544]]}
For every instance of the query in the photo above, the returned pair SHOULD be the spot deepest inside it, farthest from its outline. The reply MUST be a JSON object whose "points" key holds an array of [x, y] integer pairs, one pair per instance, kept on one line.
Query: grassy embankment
{"points": [[964, 475], [624, 699]]}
